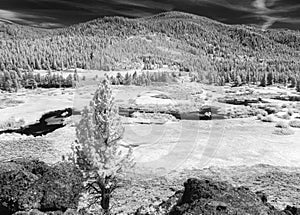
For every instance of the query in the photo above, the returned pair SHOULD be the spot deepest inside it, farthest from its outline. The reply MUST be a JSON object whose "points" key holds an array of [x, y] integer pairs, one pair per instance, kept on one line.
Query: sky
{"points": [[59, 13]]}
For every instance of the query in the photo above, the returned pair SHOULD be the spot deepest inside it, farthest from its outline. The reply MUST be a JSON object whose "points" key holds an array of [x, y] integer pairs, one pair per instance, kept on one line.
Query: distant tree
{"points": [[134, 76], [75, 76], [293, 82], [270, 78], [238, 81], [128, 79], [120, 78], [263, 81], [31, 83], [69, 80]]}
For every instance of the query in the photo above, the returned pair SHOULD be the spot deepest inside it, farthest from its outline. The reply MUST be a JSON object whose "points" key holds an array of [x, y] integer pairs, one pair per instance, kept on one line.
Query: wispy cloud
{"points": [[53, 13], [11, 16], [270, 11], [8, 16]]}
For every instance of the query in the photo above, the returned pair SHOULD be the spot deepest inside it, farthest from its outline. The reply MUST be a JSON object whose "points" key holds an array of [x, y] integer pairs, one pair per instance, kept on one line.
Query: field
{"points": [[240, 139]]}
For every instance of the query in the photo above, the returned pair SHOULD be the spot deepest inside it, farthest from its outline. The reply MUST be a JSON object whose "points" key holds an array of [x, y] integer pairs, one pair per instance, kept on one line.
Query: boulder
{"points": [[291, 210], [210, 197], [218, 198]]}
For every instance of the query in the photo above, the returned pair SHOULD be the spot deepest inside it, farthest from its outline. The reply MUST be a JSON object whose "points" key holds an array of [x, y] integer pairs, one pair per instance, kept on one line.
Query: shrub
{"points": [[261, 112], [295, 123], [284, 131], [61, 185], [286, 116], [268, 119], [290, 112], [32, 184], [282, 124], [16, 178], [259, 117], [272, 110]]}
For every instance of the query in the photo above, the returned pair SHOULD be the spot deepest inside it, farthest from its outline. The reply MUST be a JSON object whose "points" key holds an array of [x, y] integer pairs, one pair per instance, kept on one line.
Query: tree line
{"points": [[12, 80], [143, 79]]}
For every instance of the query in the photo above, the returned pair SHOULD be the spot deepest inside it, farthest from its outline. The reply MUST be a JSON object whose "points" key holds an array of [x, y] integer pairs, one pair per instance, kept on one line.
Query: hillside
{"points": [[212, 51]]}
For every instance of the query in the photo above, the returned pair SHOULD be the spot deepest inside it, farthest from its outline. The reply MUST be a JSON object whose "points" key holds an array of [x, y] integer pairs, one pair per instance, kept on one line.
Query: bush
{"points": [[61, 187], [268, 119], [286, 116], [259, 117], [284, 131], [262, 112], [295, 123], [32, 184], [290, 112], [282, 124], [15, 181]]}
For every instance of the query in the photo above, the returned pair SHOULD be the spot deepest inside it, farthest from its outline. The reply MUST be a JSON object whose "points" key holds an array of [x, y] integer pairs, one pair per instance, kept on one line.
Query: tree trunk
{"points": [[105, 201]]}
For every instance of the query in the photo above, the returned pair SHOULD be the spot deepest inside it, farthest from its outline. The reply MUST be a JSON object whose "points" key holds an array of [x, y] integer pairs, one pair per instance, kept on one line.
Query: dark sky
{"points": [[58, 13]]}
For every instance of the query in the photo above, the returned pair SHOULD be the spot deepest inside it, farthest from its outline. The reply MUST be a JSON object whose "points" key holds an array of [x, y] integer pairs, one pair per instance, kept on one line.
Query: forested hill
{"points": [[213, 51]]}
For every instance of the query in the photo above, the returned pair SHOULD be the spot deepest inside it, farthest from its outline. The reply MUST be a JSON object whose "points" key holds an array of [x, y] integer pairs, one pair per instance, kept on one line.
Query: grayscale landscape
{"points": [[172, 113]]}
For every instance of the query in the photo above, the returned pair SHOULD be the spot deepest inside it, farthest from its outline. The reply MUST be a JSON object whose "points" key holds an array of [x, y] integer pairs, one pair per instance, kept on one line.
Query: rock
{"points": [[162, 208], [31, 184], [218, 198], [262, 196], [210, 197], [292, 210]]}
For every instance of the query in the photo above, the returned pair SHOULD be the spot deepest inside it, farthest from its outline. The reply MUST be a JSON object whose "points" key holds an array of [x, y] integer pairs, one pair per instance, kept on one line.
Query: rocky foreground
{"points": [[211, 197], [33, 187]]}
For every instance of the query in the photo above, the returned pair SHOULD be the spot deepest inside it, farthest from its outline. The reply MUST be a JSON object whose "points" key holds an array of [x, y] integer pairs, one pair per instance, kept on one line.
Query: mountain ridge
{"points": [[192, 43]]}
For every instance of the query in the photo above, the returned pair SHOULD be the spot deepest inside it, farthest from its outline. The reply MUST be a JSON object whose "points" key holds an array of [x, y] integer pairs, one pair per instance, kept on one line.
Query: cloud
{"points": [[272, 14], [11, 16], [53, 13], [260, 4], [270, 11], [8, 16]]}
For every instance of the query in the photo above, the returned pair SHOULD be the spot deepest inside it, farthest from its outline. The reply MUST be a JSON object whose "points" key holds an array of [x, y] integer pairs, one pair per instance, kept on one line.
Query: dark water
{"points": [[54, 120], [48, 123], [206, 113]]}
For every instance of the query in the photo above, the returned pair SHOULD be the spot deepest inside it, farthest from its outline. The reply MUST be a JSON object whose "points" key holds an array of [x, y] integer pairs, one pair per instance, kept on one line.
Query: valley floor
{"points": [[167, 154]]}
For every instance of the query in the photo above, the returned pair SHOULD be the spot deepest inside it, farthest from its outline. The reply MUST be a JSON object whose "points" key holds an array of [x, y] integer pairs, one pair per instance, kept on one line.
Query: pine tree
{"points": [[263, 81], [270, 78], [293, 82], [96, 151], [238, 81]]}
